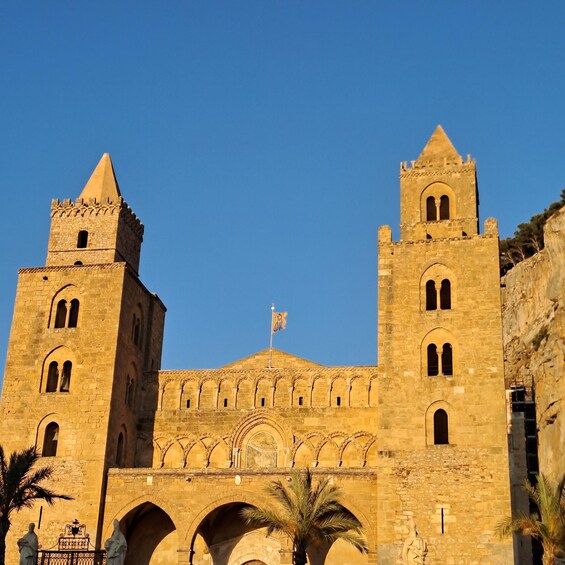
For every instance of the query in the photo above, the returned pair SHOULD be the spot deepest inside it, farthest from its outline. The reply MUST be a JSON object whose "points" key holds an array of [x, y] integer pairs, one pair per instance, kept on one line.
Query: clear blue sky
{"points": [[259, 143]]}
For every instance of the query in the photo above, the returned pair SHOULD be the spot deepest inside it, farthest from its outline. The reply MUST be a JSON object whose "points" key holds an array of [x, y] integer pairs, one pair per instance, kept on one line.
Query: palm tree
{"points": [[547, 524], [20, 487], [307, 515]]}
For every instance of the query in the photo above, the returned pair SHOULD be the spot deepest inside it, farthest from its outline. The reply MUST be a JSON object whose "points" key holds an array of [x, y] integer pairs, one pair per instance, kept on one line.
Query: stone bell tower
{"points": [[84, 332], [442, 411]]}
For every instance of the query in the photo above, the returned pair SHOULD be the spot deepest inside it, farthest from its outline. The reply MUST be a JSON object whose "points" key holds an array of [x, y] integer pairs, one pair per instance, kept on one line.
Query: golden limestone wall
{"points": [[114, 233], [320, 417], [441, 358], [200, 455], [187, 499], [87, 429], [467, 479], [82, 412], [176, 455]]}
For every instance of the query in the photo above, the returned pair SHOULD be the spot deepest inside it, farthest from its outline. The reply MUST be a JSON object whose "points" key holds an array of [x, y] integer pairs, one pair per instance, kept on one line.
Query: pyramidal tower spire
{"points": [[439, 150], [102, 185], [438, 193], [98, 228]]}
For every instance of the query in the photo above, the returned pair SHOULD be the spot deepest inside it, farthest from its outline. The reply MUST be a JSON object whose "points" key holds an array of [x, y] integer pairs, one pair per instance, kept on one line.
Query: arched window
{"points": [[433, 360], [82, 240], [120, 451], [136, 329], [445, 295], [61, 314], [431, 296], [73, 314], [441, 429], [431, 212], [52, 377], [136, 332], [130, 391], [447, 359], [444, 208], [50, 440], [66, 376]]}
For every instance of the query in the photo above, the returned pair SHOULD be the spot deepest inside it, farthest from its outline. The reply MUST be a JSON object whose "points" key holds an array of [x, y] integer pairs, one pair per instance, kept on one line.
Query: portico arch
{"points": [[151, 535], [229, 540]]}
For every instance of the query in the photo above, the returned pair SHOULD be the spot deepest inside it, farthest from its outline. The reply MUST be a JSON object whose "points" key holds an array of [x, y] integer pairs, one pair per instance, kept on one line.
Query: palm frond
{"points": [[20, 482], [355, 540], [266, 518], [308, 513], [547, 525], [340, 522]]}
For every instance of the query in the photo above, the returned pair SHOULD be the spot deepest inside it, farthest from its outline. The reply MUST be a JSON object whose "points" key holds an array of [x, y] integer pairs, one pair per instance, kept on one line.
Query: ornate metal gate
{"points": [[73, 548]]}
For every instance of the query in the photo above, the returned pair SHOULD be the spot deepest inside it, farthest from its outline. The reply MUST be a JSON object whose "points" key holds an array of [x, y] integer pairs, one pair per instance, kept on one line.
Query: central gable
{"points": [[279, 360]]}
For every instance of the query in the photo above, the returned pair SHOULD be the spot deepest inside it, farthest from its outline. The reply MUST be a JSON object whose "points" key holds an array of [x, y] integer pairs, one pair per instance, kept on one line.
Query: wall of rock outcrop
{"points": [[533, 295]]}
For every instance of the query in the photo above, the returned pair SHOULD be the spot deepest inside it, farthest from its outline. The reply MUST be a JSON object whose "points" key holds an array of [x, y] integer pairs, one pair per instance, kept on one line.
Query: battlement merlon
{"points": [[452, 165], [490, 230], [92, 207]]}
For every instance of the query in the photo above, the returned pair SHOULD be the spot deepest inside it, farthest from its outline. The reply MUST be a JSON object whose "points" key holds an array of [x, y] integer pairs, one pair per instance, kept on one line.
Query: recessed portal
{"points": [[151, 536]]}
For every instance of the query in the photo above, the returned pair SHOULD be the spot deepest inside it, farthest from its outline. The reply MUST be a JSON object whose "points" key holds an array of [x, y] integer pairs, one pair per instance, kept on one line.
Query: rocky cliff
{"points": [[533, 295]]}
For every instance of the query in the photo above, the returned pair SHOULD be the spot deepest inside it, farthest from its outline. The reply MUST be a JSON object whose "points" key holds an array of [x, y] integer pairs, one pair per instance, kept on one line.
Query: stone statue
{"points": [[28, 546], [415, 548], [116, 547]]}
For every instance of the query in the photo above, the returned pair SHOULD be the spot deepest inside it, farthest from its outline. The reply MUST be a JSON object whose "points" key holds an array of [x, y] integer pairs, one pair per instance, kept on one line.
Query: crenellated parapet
{"points": [[92, 207], [418, 169]]}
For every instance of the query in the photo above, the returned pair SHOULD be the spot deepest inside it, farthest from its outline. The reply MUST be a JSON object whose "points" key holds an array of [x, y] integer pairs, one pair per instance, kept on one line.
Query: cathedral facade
{"points": [[418, 442]]}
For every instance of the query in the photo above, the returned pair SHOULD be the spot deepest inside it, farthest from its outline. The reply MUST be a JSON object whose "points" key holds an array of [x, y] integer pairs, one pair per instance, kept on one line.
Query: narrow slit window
{"points": [[131, 393], [52, 377], [73, 313], [61, 314], [82, 240], [444, 208], [127, 391], [445, 295], [300, 400], [120, 451], [338, 400], [50, 440], [137, 332], [225, 402], [431, 212], [447, 359], [66, 376], [188, 403], [262, 402], [441, 432], [433, 360], [431, 296]]}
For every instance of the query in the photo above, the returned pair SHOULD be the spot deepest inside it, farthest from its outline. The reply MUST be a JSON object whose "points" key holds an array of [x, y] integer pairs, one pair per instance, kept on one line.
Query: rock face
{"points": [[533, 296]]}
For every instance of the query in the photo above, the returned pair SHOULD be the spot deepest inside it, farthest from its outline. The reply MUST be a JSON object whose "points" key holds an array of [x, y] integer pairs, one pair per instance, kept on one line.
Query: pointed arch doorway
{"points": [[151, 536], [223, 538]]}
